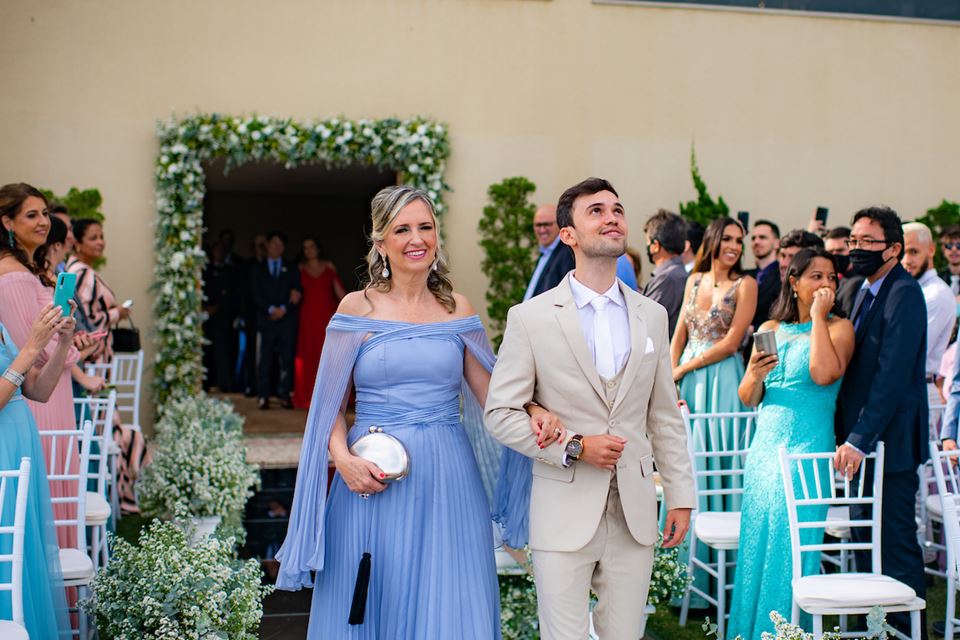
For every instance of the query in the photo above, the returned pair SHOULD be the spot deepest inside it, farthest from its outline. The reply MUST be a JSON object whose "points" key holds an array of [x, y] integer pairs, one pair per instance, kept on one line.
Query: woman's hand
{"points": [[546, 427], [761, 364], [123, 313], [823, 300], [85, 345], [48, 322], [93, 384], [679, 371], [361, 476]]}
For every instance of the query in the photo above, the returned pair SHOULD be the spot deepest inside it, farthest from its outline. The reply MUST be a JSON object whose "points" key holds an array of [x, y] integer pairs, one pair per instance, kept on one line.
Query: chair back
{"points": [[99, 411], [951, 527], [936, 412], [809, 480], [718, 444], [68, 463], [15, 529], [126, 376]]}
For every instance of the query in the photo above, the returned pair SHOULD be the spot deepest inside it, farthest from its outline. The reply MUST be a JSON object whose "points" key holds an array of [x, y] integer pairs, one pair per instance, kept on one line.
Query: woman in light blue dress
{"points": [[44, 598], [419, 360], [796, 389]]}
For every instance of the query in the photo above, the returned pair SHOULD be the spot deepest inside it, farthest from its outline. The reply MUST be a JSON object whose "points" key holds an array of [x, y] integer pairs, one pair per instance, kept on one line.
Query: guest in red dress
{"points": [[322, 291]]}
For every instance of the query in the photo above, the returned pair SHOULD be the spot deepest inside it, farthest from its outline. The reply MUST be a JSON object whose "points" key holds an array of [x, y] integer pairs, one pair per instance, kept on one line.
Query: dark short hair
{"points": [[840, 233], [710, 248], [785, 309], [773, 226], [584, 188], [58, 207], [694, 235], [802, 239], [668, 229], [80, 227], [889, 221], [277, 234], [950, 231], [58, 231]]}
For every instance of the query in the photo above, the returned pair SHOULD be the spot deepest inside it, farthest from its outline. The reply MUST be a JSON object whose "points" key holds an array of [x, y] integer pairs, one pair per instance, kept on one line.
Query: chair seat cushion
{"points": [[12, 631], [935, 507], [75, 565], [718, 527], [98, 509], [849, 590], [838, 514]]}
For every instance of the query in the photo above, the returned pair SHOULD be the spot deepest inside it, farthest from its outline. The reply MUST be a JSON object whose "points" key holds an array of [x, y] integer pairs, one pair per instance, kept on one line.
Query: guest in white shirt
{"points": [[555, 260], [917, 259]]}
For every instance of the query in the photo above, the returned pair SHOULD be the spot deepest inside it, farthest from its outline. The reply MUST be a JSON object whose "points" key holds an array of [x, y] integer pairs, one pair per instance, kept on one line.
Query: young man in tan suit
{"points": [[595, 353]]}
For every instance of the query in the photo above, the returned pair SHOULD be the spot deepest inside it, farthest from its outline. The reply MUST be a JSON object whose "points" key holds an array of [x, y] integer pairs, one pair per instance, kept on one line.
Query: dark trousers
{"points": [[276, 340], [220, 355], [900, 551]]}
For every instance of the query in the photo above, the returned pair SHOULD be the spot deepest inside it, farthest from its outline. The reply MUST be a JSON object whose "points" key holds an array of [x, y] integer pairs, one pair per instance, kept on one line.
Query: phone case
{"points": [[63, 293]]}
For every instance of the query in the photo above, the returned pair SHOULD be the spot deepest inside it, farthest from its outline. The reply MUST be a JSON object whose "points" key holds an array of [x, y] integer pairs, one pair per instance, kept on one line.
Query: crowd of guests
{"points": [[43, 354], [263, 315]]}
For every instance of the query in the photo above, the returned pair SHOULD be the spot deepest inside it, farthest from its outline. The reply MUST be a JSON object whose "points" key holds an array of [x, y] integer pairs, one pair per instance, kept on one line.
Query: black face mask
{"points": [[866, 263], [843, 263]]}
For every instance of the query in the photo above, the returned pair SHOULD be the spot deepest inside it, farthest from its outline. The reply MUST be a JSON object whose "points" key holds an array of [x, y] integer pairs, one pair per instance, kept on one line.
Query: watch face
{"points": [[574, 449]]}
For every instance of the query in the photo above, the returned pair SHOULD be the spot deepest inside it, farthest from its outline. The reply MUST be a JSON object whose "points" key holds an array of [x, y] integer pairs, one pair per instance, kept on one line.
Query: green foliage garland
{"points": [[703, 210], [507, 240], [418, 148]]}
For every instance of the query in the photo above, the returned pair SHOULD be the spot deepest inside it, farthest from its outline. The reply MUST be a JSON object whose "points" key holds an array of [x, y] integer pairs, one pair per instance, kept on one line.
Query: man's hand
{"points": [[602, 451], [847, 460], [277, 313], [675, 527], [295, 296]]}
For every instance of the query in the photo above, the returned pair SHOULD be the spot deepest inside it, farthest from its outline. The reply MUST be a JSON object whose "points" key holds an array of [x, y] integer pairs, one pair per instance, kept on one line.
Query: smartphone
{"points": [[821, 215], [63, 293], [765, 341], [744, 218]]}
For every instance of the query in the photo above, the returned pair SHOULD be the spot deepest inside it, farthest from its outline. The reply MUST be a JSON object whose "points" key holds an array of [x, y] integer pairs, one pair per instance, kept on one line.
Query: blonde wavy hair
{"points": [[384, 208]]}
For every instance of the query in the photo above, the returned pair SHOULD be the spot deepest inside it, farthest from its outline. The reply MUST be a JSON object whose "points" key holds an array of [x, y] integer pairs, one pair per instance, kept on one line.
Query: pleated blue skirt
{"points": [[430, 538]]}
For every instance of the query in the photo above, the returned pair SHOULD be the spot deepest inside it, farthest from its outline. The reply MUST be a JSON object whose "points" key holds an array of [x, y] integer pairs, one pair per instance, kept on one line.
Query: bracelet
{"points": [[12, 377], [703, 362]]}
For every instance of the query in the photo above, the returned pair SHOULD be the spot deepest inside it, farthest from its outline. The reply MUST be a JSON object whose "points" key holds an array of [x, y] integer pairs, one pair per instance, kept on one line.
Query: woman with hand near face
{"points": [[796, 389]]}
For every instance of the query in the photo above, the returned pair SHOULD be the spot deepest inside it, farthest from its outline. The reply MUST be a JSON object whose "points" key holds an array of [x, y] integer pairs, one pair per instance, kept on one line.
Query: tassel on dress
{"points": [[358, 607]]}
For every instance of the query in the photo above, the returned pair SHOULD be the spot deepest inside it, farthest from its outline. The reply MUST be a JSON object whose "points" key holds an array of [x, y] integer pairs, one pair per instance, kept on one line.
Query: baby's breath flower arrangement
{"points": [[877, 629], [669, 578], [168, 589], [200, 462]]}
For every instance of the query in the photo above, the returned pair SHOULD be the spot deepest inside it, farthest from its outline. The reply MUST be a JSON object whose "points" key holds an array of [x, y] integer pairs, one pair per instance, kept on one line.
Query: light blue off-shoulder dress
{"points": [[797, 413], [430, 535], [44, 599]]}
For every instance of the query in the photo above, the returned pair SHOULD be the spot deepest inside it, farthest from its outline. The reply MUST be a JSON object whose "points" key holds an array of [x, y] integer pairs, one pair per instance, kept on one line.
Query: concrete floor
{"points": [[285, 615]]}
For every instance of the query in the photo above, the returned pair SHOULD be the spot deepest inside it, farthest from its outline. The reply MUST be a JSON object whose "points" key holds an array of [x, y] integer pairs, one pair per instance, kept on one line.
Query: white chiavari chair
{"points": [[808, 483], [100, 412], [929, 511], [14, 629], [126, 376], [944, 464]]}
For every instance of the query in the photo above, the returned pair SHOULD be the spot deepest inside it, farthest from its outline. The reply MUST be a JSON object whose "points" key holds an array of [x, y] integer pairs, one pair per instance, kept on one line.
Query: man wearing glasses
{"points": [[556, 258], [883, 396], [950, 245]]}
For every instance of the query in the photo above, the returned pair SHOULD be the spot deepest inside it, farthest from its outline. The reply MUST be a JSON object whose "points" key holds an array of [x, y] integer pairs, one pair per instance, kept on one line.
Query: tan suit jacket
{"points": [[544, 358]]}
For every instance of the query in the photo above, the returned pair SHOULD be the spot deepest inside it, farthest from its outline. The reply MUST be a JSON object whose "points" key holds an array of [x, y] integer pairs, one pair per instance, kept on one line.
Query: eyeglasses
{"points": [[866, 243], [950, 246]]}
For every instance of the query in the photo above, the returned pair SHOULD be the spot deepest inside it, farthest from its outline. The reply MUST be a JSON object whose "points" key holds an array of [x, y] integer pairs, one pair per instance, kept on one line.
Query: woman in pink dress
{"points": [[322, 292], [25, 289]]}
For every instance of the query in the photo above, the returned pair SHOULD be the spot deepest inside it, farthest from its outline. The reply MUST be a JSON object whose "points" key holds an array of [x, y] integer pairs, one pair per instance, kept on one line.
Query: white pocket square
{"points": [[649, 348]]}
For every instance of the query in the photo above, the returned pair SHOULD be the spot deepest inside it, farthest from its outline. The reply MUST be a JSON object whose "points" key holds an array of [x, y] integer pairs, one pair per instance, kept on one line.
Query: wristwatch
{"points": [[574, 448]]}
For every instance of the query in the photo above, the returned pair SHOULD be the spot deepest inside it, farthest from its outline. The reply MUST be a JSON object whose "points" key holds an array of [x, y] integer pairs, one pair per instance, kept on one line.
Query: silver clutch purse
{"points": [[385, 451]]}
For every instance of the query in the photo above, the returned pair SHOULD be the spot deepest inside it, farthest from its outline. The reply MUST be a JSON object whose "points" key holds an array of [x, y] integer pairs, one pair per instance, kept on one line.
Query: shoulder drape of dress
{"points": [[302, 550]]}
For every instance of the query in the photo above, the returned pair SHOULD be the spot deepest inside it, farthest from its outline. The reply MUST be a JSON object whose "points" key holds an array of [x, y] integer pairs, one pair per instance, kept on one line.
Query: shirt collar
{"points": [[929, 276], [547, 250], [669, 264], [875, 287], [583, 295]]}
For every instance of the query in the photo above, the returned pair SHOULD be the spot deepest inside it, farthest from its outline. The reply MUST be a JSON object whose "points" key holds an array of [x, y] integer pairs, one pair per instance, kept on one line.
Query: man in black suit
{"points": [[765, 243], [276, 292], [883, 395], [556, 258]]}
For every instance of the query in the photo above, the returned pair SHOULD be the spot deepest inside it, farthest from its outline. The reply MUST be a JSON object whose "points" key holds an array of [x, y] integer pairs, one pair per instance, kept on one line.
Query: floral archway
{"points": [[417, 148]]}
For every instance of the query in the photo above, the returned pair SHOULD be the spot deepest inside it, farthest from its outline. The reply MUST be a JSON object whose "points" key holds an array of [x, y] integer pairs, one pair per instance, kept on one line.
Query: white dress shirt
{"points": [[941, 314], [617, 318]]}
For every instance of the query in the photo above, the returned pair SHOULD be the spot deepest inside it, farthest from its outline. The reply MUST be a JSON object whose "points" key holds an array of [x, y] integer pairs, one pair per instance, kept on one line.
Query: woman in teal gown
{"points": [[796, 389], [44, 600], [719, 304]]}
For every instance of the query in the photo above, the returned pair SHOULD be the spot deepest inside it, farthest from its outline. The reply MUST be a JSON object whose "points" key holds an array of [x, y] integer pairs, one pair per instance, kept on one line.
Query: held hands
{"points": [[546, 427], [295, 297], [360, 475], [823, 300], [847, 460], [675, 527], [603, 451]]}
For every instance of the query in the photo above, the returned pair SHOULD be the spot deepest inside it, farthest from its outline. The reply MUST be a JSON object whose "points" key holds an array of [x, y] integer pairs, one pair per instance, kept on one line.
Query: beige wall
{"points": [[787, 111]]}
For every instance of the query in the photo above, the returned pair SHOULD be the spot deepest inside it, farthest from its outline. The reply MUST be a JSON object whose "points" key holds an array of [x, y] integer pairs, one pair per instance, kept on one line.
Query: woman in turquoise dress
{"points": [[796, 389], [44, 598], [719, 304]]}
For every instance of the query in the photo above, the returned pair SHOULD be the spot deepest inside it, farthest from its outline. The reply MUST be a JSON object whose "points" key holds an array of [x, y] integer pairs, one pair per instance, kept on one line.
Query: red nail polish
{"points": [[383, 475]]}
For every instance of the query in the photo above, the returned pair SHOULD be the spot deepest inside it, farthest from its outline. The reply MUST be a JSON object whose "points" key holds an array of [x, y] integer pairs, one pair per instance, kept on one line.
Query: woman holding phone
{"points": [[25, 289], [796, 388]]}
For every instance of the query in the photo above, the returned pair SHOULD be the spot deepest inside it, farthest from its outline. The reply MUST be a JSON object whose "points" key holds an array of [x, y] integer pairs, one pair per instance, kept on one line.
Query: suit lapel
{"points": [[877, 302], [638, 343], [569, 318]]}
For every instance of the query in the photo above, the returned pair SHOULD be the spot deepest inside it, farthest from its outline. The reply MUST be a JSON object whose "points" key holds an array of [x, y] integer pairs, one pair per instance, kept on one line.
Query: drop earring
{"points": [[386, 270], [435, 262], [11, 238], [794, 293]]}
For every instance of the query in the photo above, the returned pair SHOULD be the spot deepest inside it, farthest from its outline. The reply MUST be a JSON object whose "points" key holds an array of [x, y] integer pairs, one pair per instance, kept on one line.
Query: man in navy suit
{"points": [[555, 260], [883, 395], [276, 292]]}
